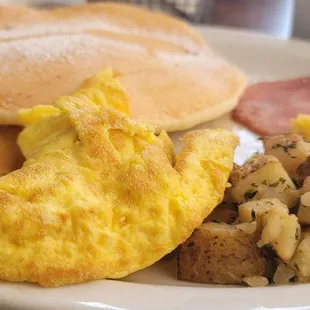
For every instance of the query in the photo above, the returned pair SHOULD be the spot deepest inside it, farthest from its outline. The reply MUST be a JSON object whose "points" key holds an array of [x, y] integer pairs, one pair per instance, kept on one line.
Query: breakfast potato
{"points": [[221, 253], [305, 186], [301, 260], [303, 171], [248, 228], [280, 234], [305, 232], [262, 176], [291, 150], [226, 212], [284, 274], [303, 213], [253, 210]]}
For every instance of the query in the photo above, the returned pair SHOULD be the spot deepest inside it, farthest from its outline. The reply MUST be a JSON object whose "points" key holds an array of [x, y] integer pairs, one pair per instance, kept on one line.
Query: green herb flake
{"points": [[249, 194], [275, 184], [282, 180], [286, 147]]}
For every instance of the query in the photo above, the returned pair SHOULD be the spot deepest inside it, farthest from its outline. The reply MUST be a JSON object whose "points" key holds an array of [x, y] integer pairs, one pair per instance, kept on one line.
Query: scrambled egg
{"points": [[100, 195], [302, 125]]}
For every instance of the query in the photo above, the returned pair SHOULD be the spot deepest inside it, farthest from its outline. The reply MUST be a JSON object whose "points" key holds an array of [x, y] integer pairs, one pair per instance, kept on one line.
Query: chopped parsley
{"points": [[249, 194], [280, 181], [286, 147]]}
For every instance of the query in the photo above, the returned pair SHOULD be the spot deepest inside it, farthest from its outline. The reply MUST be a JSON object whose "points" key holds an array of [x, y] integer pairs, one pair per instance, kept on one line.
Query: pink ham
{"points": [[267, 108]]}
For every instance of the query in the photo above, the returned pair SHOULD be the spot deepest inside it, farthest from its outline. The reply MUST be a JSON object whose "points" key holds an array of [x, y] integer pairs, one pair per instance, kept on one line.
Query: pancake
{"points": [[10, 154], [173, 79], [11, 16]]}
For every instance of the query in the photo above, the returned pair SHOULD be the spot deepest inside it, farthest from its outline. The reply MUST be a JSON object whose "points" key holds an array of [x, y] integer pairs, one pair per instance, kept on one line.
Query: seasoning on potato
{"points": [[269, 237]]}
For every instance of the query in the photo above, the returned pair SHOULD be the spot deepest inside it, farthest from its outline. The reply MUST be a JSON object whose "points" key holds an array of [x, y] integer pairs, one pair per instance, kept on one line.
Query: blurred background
{"points": [[279, 18]]}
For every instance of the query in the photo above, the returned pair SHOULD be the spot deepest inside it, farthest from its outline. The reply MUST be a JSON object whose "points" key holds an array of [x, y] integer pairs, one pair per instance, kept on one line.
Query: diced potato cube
{"points": [[306, 186], [302, 172], [271, 224], [291, 150], [253, 210], [248, 228], [220, 253], [301, 260], [263, 177], [303, 213], [283, 235]]}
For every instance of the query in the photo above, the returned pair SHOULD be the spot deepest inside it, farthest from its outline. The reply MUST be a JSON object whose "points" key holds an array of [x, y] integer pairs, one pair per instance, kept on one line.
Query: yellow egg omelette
{"points": [[100, 195], [301, 125]]}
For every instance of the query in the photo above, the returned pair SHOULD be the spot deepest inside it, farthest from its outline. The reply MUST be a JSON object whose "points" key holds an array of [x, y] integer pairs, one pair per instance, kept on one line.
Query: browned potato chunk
{"points": [[291, 150], [303, 213], [281, 234], [263, 176], [301, 260], [220, 253], [253, 210], [226, 212], [248, 228], [303, 171], [306, 186]]}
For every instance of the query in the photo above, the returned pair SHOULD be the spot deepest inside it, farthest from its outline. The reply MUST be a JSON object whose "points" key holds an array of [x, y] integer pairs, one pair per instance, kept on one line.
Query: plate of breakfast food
{"points": [[147, 164]]}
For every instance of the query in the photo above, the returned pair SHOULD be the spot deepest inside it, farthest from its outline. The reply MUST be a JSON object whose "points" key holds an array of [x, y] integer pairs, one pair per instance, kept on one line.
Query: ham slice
{"points": [[267, 108]]}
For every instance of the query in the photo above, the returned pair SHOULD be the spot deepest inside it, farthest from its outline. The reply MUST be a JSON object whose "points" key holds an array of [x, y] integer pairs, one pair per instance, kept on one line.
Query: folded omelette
{"points": [[100, 195]]}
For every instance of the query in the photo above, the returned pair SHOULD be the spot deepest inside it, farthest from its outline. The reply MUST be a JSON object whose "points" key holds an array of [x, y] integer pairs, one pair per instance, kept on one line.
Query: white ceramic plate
{"points": [[156, 288]]}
